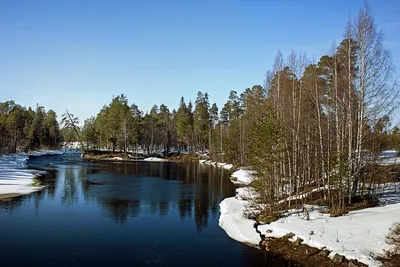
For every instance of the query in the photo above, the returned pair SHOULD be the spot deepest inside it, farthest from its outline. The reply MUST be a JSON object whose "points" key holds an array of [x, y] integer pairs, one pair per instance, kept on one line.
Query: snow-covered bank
{"points": [[234, 223], [226, 166], [389, 161], [15, 178], [155, 159], [358, 235], [242, 176]]}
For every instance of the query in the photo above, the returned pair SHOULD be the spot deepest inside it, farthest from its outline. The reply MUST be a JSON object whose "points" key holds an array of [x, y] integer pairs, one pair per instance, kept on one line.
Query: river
{"points": [[122, 214]]}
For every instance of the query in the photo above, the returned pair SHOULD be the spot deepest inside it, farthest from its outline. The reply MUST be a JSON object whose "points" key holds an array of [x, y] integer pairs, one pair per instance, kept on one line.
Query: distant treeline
{"points": [[23, 129]]}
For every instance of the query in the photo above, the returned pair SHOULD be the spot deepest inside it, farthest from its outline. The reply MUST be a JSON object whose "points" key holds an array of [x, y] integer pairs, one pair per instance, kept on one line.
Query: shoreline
{"points": [[354, 237], [15, 177]]}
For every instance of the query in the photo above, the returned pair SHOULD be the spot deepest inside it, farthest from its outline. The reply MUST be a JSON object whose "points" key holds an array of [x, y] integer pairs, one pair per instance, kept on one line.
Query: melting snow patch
{"points": [[15, 178], [154, 159], [226, 166], [242, 176]]}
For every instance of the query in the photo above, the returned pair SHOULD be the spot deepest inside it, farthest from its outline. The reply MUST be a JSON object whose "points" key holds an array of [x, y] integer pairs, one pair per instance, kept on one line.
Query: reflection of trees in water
{"points": [[14, 204], [51, 185], [200, 193], [120, 210], [70, 188], [196, 197]]}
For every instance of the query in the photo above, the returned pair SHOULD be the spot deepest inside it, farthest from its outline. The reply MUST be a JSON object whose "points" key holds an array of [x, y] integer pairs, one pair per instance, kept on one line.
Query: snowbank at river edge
{"points": [[15, 178], [358, 235], [153, 159], [226, 166]]}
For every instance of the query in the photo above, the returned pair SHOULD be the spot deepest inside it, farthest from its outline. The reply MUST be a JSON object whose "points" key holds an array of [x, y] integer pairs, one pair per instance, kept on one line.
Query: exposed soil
{"points": [[183, 158], [297, 254], [393, 261], [8, 197]]}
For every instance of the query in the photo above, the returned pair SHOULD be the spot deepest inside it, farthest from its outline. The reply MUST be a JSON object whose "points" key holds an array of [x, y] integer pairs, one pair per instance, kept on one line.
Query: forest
{"points": [[24, 129]]}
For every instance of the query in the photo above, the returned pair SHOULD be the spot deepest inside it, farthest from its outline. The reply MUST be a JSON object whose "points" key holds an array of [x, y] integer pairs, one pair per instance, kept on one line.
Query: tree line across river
{"points": [[320, 124]]}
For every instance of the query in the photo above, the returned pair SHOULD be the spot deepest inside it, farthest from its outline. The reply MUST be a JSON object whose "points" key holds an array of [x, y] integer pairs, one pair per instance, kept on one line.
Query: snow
{"points": [[234, 223], [389, 161], [71, 145], [226, 166], [357, 235], [242, 176], [15, 178], [388, 154], [154, 159], [116, 158]]}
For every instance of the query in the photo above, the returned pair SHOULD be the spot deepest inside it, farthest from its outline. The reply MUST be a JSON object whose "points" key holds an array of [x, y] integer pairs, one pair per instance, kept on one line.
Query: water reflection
{"points": [[124, 214], [125, 190]]}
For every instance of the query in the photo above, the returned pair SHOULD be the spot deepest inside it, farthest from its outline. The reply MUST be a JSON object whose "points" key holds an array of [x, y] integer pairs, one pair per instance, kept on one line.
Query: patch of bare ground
{"points": [[392, 257], [97, 156], [298, 254], [381, 174], [183, 158]]}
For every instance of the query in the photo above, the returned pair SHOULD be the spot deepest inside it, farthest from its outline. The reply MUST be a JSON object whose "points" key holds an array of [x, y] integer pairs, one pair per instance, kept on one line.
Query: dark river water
{"points": [[122, 214]]}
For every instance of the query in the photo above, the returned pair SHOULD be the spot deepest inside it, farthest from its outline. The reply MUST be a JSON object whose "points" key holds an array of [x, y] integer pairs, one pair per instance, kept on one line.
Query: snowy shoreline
{"points": [[356, 235], [226, 166], [15, 177]]}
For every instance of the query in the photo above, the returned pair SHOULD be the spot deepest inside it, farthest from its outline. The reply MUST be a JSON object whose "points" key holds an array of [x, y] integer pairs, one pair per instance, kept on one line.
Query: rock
{"points": [[289, 235], [338, 258], [306, 251], [351, 264], [324, 253], [298, 241], [269, 231]]}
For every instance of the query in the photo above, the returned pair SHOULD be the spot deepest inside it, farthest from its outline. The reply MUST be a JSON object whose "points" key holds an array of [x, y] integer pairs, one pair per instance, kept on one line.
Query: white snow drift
{"points": [[15, 178], [155, 159], [226, 166], [242, 176]]}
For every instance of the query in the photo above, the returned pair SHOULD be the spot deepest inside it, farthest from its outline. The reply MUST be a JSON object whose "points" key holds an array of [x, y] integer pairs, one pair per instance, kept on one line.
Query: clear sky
{"points": [[78, 54]]}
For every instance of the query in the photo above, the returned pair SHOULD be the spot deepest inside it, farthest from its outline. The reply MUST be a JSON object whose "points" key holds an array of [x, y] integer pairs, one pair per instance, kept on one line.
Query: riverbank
{"points": [[15, 177], [354, 236], [122, 157]]}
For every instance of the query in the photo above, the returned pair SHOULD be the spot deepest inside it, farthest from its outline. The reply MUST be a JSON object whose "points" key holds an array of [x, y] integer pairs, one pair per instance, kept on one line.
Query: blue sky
{"points": [[78, 54]]}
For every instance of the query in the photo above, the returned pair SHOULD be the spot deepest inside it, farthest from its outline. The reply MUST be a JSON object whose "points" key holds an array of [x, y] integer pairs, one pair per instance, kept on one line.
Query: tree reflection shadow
{"points": [[126, 189]]}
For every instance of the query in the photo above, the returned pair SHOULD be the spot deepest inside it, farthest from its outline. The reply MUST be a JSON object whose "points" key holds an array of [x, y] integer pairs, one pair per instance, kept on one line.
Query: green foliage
{"points": [[265, 150], [23, 129]]}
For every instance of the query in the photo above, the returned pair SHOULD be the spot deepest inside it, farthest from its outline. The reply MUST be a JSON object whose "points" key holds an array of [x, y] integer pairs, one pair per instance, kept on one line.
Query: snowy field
{"points": [[15, 178], [357, 235]]}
